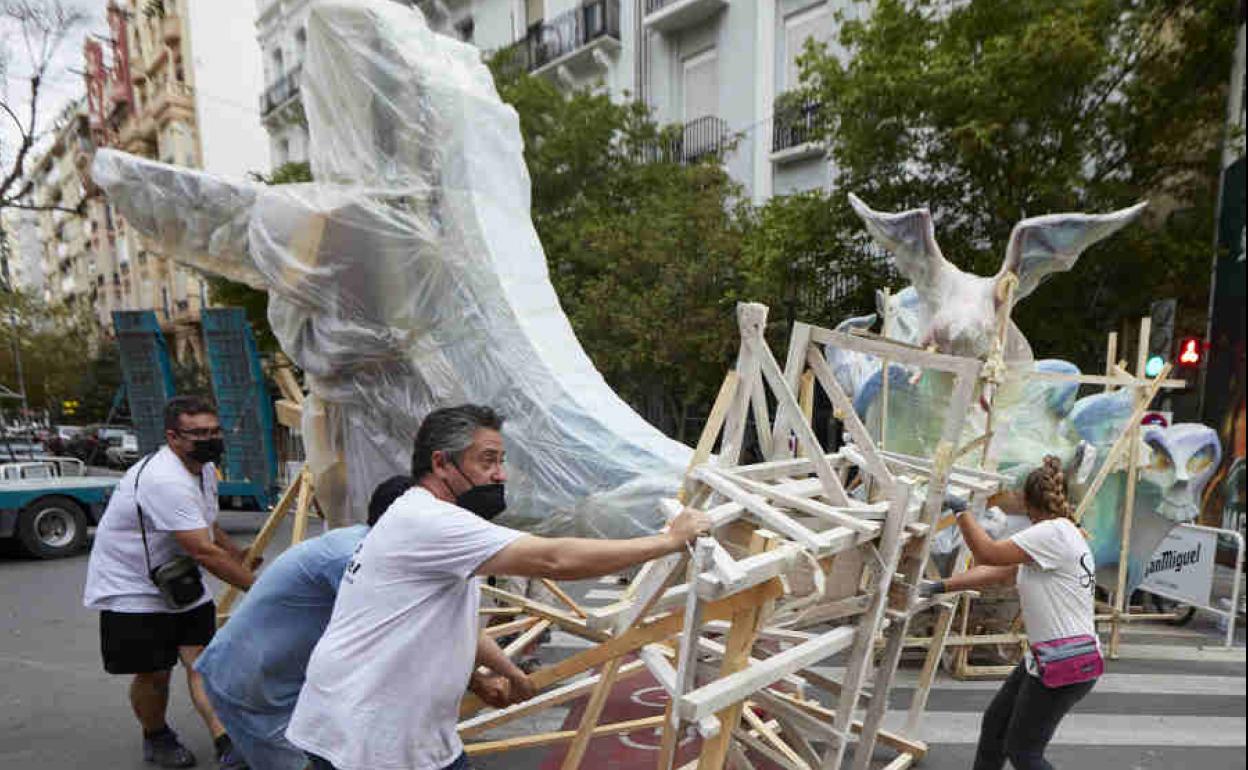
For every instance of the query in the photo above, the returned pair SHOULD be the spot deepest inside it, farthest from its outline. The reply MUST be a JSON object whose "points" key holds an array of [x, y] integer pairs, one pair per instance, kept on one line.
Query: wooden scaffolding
{"points": [[813, 555]]}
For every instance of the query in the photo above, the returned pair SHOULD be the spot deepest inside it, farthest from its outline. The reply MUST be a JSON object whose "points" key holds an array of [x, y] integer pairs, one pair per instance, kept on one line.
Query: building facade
{"points": [[719, 68], [159, 86]]}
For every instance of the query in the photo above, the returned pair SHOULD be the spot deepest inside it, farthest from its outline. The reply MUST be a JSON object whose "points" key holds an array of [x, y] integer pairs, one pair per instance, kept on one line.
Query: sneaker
{"points": [[167, 751]]}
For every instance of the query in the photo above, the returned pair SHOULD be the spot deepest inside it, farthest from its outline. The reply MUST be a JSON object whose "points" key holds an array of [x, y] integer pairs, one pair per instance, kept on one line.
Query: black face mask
{"points": [[485, 500], [207, 450]]}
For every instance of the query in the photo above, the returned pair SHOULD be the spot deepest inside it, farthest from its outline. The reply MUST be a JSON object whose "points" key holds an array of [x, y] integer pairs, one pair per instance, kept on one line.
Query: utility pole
{"points": [[16, 343]]}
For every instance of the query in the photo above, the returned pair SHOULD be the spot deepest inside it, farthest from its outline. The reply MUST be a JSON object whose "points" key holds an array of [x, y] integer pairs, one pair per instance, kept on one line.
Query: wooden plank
{"points": [[589, 720], [655, 658], [771, 371], [1128, 504], [565, 620], [758, 507], [769, 735], [862, 439], [288, 414], [1110, 381], [734, 687], [299, 524], [714, 423], [890, 739], [896, 352], [830, 514], [571, 691], [751, 319], [525, 639], [226, 602], [1120, 444], [762, 421], [502, 629], [562, 596], [650, 631], [744, 630], [794, 363], [550, 739]]}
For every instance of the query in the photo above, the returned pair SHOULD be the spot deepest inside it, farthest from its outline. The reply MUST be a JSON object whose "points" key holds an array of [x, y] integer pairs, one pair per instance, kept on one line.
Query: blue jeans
{"points": [[1021, 720], [460, 763]]}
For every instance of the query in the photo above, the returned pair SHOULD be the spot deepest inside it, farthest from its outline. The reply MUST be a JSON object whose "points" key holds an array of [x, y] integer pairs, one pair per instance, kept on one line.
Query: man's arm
{"points": [[223, 539], [994, 553], [212, 557], [490, 655], [575, 558]]}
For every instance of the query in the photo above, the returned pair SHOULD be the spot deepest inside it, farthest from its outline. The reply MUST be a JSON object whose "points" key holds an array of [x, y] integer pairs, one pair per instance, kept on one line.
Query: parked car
{"points": [[47, 504], [123, 450]]}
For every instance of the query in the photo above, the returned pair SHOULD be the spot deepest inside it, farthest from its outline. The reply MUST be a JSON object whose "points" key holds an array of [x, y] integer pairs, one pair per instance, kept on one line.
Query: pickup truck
{"points": [[46, 504]]}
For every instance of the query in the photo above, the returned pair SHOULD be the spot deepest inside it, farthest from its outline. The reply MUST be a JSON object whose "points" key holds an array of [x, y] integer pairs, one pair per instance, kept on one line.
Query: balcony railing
{"points": [[796, 123], [698, 139], [566, 33], [286, 88]]}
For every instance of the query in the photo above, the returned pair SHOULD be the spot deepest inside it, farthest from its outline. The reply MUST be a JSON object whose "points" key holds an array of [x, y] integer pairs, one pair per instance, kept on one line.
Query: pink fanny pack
{"points": [[1068, 661]]}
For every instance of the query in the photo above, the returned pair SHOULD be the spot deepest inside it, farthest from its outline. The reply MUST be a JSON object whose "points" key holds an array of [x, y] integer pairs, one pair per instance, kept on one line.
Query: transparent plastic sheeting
{"points": [[409, 277]]}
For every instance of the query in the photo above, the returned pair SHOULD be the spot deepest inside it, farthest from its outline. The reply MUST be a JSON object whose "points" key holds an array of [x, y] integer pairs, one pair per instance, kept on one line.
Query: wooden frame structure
{"points": [[1123, 453], [721, 628]]}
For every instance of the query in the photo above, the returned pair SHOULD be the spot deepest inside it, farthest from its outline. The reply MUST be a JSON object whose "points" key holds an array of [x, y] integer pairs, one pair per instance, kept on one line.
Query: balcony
{"points": [[670, 16], [697, 140], [570, 41], [796, 129], [280, 93], [174, 101], [171, 27]]}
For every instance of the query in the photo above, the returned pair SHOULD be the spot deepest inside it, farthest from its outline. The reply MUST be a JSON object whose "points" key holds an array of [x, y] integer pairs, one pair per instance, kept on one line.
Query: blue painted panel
{"points": [[244, 404], [147, 371]]}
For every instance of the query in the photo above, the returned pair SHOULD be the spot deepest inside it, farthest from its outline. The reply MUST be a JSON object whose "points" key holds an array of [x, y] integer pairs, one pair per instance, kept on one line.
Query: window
{"points": [[301, 41], [815, 23], [700, 85], [283, 151], [279, 66], [465, 29]]}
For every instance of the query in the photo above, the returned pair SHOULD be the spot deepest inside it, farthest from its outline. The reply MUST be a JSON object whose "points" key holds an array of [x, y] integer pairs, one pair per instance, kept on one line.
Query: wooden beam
{"points": [[589, 720], [550, 739]]}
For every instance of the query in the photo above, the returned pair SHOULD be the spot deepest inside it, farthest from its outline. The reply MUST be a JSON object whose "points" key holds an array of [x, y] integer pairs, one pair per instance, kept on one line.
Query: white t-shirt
{"points": [[1056, 589], [384, 682], [173, 500]]}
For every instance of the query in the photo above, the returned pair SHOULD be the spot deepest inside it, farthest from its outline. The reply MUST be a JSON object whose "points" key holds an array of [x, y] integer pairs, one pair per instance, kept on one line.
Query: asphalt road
{"points": [[1167, 704]]}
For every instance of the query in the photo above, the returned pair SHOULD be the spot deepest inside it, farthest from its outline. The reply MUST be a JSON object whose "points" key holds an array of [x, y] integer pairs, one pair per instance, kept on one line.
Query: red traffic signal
{"points": [[1190, 352]]}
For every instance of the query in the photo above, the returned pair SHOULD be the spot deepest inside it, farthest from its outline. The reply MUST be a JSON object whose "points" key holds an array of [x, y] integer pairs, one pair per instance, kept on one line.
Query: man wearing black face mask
{"points": [[143, 632], [384, 683]]}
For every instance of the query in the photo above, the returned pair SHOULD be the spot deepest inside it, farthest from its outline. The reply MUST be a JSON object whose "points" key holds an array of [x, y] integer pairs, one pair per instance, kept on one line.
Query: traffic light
{"points": [[1154, 365], [1190, 353]]}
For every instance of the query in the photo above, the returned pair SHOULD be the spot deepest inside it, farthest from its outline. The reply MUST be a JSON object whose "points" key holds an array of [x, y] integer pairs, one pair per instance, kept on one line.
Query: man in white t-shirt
{"points": [[141, 632], [384, 683]]}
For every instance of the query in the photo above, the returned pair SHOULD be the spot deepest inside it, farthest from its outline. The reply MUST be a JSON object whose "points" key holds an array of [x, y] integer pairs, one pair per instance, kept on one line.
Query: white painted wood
{"points": [[723, 692], [758, 507]]}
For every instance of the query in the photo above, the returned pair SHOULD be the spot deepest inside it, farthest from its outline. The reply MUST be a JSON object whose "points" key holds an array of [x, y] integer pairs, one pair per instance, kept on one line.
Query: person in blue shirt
{"points": [[254, 667]]}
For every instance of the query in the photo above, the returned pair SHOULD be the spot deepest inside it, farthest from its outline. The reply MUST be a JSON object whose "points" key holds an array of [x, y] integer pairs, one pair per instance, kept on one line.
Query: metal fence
{"points": [[698, 139], [564, 34], [795, 123], [286, 87]]}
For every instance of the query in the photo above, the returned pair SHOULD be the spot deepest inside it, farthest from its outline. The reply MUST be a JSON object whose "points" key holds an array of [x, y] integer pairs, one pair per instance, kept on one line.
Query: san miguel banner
{"points": [[1182, 566]]}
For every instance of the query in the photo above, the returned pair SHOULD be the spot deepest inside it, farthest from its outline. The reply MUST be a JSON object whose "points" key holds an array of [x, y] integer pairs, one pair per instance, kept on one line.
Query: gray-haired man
{"points": [[385, 681]]}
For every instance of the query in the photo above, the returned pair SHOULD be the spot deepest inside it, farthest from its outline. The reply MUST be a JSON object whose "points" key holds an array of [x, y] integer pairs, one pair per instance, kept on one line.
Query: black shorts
{"points": [[143, 642]]}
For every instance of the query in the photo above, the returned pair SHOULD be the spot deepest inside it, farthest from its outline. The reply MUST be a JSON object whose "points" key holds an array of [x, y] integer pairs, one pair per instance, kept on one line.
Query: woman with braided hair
{"points": [[1051, 565]]}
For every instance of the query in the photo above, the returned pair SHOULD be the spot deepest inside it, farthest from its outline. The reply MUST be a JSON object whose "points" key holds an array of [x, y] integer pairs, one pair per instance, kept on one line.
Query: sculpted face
{"points": [[1184, 457]]}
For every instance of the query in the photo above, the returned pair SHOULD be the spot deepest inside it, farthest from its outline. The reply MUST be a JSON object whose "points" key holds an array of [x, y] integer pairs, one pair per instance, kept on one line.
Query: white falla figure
{"points": [[409, 277]]}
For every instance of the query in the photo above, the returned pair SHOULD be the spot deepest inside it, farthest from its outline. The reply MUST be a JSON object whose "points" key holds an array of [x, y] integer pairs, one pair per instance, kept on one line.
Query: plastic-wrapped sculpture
{"points": [[958, 313], [409, 277]]}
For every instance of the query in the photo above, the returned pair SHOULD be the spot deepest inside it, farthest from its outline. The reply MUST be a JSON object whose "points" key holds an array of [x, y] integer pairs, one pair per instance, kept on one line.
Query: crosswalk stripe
{"points": [[1094, 729], [1129, 651], [1109, 684]]}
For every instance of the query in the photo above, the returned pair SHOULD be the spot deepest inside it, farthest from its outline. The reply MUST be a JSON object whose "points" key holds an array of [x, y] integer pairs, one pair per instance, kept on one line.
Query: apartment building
{"points": [[174, 81], [720, 68]]}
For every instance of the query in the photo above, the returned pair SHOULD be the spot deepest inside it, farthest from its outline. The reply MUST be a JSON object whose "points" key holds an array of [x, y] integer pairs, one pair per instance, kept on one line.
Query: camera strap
{"points": [[147, 557]]}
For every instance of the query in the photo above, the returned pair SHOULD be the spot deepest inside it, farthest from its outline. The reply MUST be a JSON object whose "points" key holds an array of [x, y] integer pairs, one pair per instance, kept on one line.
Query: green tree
{"points": [[995, 110], [53, 344], [643, 250]]}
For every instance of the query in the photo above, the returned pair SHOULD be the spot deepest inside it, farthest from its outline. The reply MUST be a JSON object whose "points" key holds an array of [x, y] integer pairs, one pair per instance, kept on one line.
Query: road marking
{"points": [[1093, 729], [1109, 684], [1172, 652]]}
